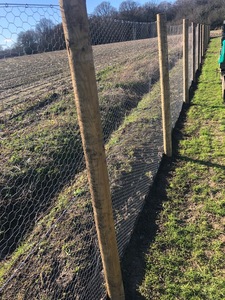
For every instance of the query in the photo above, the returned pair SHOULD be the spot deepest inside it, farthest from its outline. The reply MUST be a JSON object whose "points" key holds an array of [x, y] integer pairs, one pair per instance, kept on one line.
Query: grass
{"points": [[78, 187], [41, 148], [186, 259], [42, 140], [73, 238]]}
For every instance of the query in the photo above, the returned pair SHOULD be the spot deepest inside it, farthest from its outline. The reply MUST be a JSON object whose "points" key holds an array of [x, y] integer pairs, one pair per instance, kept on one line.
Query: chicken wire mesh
{"points": [[175, 46], [190, 55], [119, 30], [196, 47], [134, 148], [49, 248]]}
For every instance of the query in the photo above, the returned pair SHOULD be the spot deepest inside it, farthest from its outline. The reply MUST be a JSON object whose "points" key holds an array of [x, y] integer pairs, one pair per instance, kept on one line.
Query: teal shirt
{"points": [[222, 53]]}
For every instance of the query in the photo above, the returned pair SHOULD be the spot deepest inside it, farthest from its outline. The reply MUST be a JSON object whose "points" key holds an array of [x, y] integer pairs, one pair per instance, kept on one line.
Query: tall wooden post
{"points": [[193, 51], [208, 33], [185, 60], [76, 30], [164, 80], [203, 41], [206, 36], [198, 55], [200, 49]]}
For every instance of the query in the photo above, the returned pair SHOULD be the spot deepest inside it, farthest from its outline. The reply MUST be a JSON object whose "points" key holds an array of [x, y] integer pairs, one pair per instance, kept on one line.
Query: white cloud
{"points": [[8, 41]]}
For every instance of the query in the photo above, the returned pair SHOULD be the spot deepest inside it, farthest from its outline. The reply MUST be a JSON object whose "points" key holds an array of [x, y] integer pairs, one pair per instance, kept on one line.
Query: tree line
{"points": [[44, 38], [130, 21], [210, 12]]}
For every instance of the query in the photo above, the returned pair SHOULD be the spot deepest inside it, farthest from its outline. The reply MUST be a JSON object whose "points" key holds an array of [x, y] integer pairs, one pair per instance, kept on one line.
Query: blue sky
{"points": [[91, 4], [14, 20]]}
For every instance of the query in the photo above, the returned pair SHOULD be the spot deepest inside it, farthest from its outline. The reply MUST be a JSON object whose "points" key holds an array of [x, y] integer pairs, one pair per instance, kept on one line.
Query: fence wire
{"points": [[190, 55], [49, 247], [118, 30], [196, 47], [175, 50], [131, 165]]}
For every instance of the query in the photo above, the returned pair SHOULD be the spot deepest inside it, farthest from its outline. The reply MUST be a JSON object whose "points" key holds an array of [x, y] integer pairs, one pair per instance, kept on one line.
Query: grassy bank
{"points": [[186, 259], [60, 253]]}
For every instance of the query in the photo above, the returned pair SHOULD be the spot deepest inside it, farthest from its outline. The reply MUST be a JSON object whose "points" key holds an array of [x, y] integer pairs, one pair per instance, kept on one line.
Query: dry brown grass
{"points": [[215, 33]]}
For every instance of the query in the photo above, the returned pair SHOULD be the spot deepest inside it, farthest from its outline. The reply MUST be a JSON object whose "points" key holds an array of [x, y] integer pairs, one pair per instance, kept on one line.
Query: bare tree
{"points": [[27, 42], [149, 11], [46, 37], [130, 10], [104, 9], [44, 30]]}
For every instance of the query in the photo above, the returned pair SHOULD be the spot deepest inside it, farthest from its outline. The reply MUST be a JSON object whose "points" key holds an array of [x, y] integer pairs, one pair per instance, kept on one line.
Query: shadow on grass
{"points": [[202, 162], [134, 259], [210, 106]]}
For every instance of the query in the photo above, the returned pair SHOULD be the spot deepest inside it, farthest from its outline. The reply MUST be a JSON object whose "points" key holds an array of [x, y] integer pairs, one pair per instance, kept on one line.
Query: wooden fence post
{"points": [[76, 30], [193, 51], [203, 41], [185, 60], [198, 55], [200, 49], [208, 33], [164, 81], [206, 39]]}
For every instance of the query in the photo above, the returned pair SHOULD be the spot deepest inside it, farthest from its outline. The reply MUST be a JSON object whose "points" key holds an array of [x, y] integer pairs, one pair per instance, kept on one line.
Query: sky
{"points": [[91, 4], [15, 19]]}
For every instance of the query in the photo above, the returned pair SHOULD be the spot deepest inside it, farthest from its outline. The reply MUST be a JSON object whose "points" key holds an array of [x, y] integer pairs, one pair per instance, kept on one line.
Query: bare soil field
{"points": [[26, 78], [22, 77]]}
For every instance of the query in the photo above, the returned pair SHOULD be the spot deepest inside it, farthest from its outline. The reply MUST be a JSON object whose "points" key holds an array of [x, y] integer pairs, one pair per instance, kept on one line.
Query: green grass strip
{"points": [[186, 259]]}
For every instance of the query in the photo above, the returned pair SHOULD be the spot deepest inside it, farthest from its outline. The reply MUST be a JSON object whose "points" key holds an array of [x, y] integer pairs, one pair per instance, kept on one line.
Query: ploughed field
{"points": [[28, 77]]}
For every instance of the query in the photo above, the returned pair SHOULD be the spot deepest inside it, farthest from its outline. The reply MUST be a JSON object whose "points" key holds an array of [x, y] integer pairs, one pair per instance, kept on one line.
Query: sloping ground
{"points": [[60, 257], [185, 259], [39, 136]]}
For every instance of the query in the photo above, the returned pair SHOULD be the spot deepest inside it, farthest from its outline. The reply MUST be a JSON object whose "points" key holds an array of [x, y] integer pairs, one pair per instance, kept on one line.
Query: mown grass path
{"points": [[185, 259]]}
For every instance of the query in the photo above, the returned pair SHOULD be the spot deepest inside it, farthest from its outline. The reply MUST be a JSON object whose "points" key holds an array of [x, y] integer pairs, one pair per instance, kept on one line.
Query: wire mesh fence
{"points": [[197, 45], [190, 55], [49, 247], [175, 47], [131, 164], [119, 30], [41, 162]]}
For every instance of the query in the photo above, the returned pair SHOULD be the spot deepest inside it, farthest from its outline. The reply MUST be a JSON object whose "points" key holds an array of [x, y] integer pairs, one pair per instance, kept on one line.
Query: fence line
{"points": [[49, 245], [165, 88], [194, 51], [86, 98]]}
